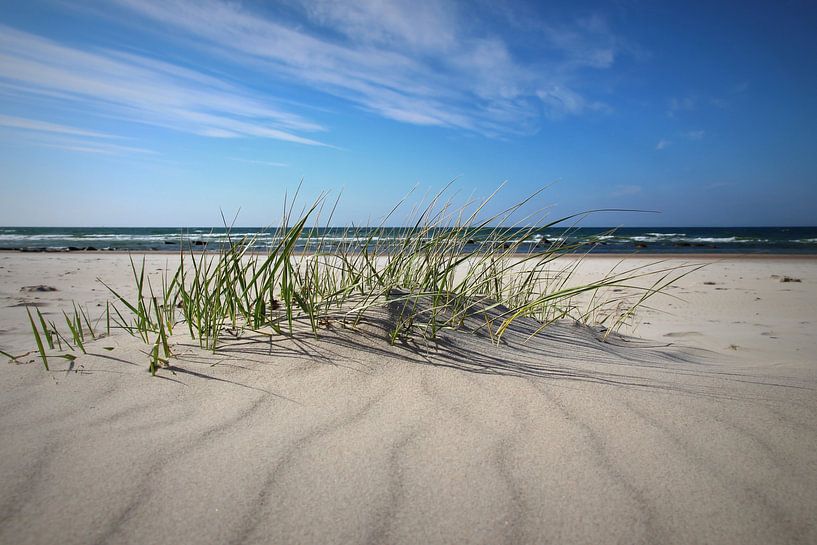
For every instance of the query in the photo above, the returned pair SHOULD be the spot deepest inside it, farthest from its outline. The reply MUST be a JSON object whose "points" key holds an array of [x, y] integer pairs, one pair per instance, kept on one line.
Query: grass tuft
{"points": [[456, 259]]}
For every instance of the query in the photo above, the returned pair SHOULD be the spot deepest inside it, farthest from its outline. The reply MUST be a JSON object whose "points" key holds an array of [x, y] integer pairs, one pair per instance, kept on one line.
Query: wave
{"points": [[701, 240], [136, 238], [799, 240], [715, 239]]}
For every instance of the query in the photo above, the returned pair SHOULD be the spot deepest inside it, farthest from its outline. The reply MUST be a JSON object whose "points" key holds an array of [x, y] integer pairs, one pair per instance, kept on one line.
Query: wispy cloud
{"points": [[587, 43], [258, 162], [662, 144], [67, 142], [100, 148], [140, 89], [64, 137], [695, 135], [421, 62], [625, 190], [727, 97], [697, 101], [561, 101], [681, 104], [44, 126], [719, 185]]}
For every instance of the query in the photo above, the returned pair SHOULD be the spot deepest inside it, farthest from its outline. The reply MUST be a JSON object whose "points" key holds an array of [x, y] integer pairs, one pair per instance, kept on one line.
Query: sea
{"points": [[645, 240]]}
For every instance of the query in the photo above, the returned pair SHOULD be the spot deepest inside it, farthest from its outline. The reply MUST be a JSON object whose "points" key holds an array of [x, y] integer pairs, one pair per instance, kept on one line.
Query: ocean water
{"points": [[715, 240]]}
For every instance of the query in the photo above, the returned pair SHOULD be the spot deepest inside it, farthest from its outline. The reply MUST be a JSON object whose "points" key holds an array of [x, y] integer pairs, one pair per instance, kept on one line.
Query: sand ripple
{"points": [[564, 439]]}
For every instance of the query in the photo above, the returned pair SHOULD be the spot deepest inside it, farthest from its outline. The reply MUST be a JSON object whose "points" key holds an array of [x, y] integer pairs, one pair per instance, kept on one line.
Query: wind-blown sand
{"points": [[705, 433]]}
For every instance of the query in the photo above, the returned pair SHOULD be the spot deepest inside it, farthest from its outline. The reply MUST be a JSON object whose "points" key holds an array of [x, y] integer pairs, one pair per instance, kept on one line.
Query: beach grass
{"points": [[229, 288]]}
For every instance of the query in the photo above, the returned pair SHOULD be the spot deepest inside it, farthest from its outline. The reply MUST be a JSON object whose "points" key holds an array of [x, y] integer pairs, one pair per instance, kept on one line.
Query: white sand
{"points": [[706, 433]]}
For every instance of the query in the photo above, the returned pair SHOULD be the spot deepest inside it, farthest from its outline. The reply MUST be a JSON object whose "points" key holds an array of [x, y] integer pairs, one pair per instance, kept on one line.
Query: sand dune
{"points": [[347, 439]]}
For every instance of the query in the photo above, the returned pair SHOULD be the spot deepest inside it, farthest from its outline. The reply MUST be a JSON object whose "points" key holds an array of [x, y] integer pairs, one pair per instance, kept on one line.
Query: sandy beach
{"points": [[697, 425], [408, 272]]}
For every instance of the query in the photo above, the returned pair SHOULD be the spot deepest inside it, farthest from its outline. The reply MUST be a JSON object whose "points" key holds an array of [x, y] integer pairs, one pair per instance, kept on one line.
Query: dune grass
{"points": [[231, 289]]}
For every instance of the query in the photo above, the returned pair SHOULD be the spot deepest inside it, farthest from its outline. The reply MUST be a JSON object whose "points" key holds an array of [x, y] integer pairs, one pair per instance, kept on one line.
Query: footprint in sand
{"points": [[29, 304], [38, 289], [683, 334]]}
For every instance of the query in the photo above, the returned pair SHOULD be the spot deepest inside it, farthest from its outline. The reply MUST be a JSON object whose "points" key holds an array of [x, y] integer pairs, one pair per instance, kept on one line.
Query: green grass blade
{"points": [[38, 339]]}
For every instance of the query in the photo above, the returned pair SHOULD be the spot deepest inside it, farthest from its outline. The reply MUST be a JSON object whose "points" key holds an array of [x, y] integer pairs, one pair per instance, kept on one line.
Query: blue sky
{"points": [[149, 112]]}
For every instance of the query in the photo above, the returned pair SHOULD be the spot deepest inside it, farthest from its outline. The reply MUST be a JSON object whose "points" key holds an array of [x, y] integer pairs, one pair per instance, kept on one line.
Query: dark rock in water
{"points": [[640, 245], [75, 249], [38, 288], [32, 249], [91, 249], [693, 245], [198, 242], [170, 242], [470, 241]]}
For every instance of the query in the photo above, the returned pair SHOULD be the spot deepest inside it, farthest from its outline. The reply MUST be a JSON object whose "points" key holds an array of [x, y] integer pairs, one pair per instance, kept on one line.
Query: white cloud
{"points": [[140, 89], [98, 148], [43, 126], [68, 142], [419, 62], [662, 144], [65, 137], [421, 25], [695, 135]]}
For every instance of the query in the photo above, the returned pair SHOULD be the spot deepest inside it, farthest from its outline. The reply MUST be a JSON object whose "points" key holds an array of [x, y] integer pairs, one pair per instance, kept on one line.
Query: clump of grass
{"points": [[457, 259]]}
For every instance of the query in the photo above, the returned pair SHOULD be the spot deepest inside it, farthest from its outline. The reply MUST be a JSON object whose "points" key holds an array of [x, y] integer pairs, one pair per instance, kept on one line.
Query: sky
{"points": [[166, 112]]}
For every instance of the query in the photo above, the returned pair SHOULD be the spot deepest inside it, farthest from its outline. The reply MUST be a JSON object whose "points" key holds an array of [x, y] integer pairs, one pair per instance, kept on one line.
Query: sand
{"points": [[701, 431]]}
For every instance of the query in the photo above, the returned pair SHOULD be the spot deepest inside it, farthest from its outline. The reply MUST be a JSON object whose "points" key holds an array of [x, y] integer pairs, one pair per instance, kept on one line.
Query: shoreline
{"points": [[619, 255]]}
